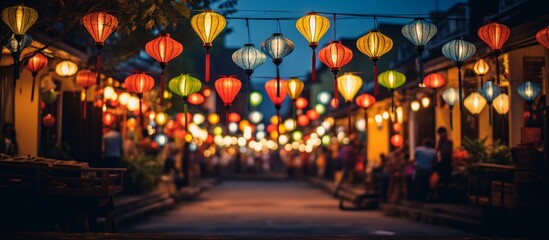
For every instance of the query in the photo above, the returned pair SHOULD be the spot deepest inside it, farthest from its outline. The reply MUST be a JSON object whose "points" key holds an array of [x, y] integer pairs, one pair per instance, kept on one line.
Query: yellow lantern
{"points": [[124, 98], [374, 45], [295, 87], [133, 103], [108, 92], [481, 67], [66, 68], [474, 103], [213, 118], [161, 118], [243, 124], [198, 118], [313, 27], [501, 104], [348, 85], [415, 105], [290, 124], [208, 25], [274, 120], [19, 19], [425, 102]]}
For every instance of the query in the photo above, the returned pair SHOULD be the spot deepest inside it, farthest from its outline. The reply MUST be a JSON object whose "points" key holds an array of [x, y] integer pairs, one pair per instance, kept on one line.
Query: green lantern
{"points": [[49, 97], [255, 98], [184, 85], [392, 80]]}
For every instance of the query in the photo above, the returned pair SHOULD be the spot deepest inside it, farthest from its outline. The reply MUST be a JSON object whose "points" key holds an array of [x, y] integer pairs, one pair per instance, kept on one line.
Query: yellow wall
{"points": [[26, 115], [442, 115], [378, 139]]}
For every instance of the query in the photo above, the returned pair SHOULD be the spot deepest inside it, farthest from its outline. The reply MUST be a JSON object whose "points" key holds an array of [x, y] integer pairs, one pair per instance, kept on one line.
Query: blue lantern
{"points": [[419, 32], [450, 96], [277, 47], [248, 58], [161, 139], [528, 91], [490, 91]]}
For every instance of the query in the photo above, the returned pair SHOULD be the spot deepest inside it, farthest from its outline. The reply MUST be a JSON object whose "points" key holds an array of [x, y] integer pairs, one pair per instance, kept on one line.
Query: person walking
{"points": [[347, 155], [113, 148], [444, 151], [425, 157]]}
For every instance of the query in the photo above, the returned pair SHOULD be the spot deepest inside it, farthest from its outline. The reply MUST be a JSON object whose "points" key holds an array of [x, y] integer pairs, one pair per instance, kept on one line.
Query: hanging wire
{"points": [[248, 28], [376, 24], [334, 26], [279, 27]]}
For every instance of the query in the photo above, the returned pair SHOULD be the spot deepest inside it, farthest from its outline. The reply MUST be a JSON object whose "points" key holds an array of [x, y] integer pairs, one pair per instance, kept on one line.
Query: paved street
{"points": [[266, 208]]}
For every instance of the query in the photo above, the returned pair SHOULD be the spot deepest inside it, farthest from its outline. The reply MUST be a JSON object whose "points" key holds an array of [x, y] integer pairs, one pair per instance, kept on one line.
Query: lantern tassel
{"points": [[420, 51], [33, 84], [313, 61], [277, 81], [435, 97], [460, 86], [451, 118], [277, 125], [98, 74], [162, 83], [490, 113], [16, 57], [207, 68], [185, 116], [481, 83], [531, 114], [140, 113], [227, 120], [336, 96], [365, 119], [349, 119], [84, 106], [294, 111], [497, 68], [248, 90], [376, 83]]}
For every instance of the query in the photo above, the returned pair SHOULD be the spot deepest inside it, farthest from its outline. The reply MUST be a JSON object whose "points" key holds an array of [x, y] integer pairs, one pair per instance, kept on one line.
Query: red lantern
{"points": [[100, 25], [227, 87], [85, 79], [543, 37], [301, 103], [335, 56], [303, 120], [48, 120], [180, 117], [313, 114], [163, 49], [397, 127], [108, 118], [434, 81], [170, 125], [365, 101], [233, 117], [277, 91], [195, 99], [34, 65], [139, 83], [271, 128], [397, 140], [495, 35]]}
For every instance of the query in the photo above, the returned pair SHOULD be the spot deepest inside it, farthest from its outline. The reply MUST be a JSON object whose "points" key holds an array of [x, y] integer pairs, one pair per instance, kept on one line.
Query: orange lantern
{"points": [[495, 35], [227, 87], [335, 56], [303, 120], [233, 117], [397, 127], [139, 83], [365, 101], [434, 81], [100, 25], [543, 37], [108, 118], [34, 65], [313, 114], [85, 79], [180, 117], [196, 99], [277, 89], [170, 125], [301, 103], [163, 49], [271, 128], [397, 140]]}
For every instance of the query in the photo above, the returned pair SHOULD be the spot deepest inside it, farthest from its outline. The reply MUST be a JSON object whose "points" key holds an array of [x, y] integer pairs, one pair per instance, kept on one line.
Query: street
{"points": [[282, 208]]}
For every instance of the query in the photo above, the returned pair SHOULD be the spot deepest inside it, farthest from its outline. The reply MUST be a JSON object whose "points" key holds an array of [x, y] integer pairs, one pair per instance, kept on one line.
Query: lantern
{"points": [[290, 124], [392, 80], [312, 114], [66, 68], [196, 98], [184, 85], [419, 32], [227, 87], [85, 79], [323, 97], [374, 45], [16, 46], [365, 101], [161, 118], [48, 120], [255, 98], [277, 47], [474, 103], [425, 102], [19, 19], [139, 83], [489, 91], [494, 35], [199, 118], [163, 49], [301, 103], [313, 27], [123, 98], [276, 89], [213, 118], [543, 37], [295, 87], [450, 96], [397, 140], [256, 117], [248, 58], [234, 117], [348, 86], [108, 92], [415, 105], [334, 102], [208, 25], [481, 67], [35, 63], [335, 56], [320, 109], [303, 120], [100, 25], [49, 96], [501, 104], [183, 119], [434, 81], [529, 91], [108, 118], [161, 139], [459, 50]]}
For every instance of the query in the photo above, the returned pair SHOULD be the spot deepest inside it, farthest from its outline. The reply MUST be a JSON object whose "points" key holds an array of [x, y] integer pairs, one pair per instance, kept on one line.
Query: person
{"points": [[170, 152], [8, 141], [348, 155], [381, 178], [425, 157], [444, 169], [113, 148]]}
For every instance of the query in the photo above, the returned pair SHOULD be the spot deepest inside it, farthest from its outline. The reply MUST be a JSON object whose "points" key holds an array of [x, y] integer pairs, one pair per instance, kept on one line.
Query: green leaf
{"points": [[182, 9]]}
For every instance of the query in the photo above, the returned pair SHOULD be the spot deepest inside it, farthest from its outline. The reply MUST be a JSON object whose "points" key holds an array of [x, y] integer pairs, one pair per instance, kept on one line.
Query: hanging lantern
{"points": [[85, 79], [392, 80], [277, 47], [415, 105], [208, 25], [323, 97], [124, 98], [365, 101], [108, 92], [295, 87], [227, 88], [234, 117], [397, 140], [481, 67], [450, 96], [100, 25], [256, 117], [312, 114], [108, 119], [35, 63], [213, 118], [335, 56], [313, 27], [49, 97], [66, 68], [475, 103], [196, 98], [529, 91], [419, 32], [255, 98], [495, 35], [277, 89], [543, 37], [321, 109], [425, 102], [434, 81], [48, 120], [349, 85], [163, 49], [16, 47], [139, 83], [184, 85], [501, 104], [303, 120], [374, 45], [248, 58], [334, 103], [161, 118], [290, 124], [19, 19], [301, 103], [459, 50], [489, 91]]}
